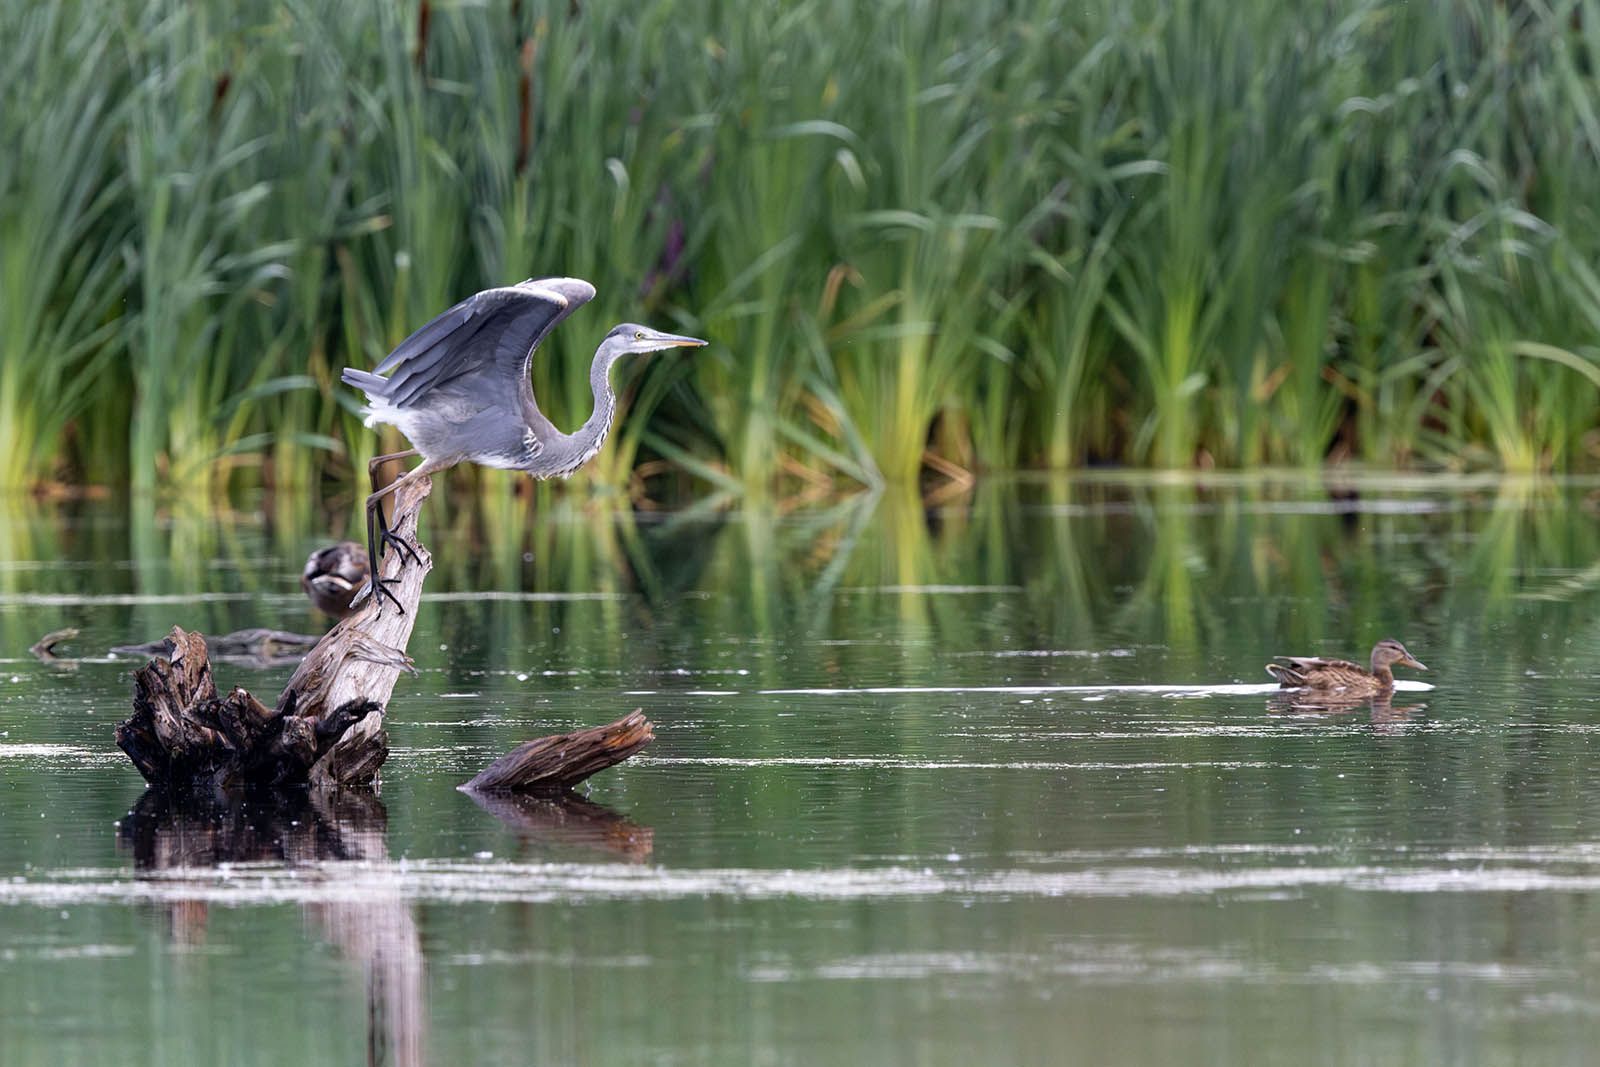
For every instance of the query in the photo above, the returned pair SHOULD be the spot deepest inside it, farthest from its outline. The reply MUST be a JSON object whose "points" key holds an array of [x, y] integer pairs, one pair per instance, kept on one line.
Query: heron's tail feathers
{"points": [[373, 385], [366, 381]]}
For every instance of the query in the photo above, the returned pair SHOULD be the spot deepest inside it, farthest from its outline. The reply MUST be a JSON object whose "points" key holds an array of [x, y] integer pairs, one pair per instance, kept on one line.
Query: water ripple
{"points": [[447, 881]]}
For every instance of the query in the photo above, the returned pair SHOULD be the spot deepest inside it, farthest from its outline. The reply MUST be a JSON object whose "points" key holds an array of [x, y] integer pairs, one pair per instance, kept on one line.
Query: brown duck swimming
{"points": [[333, 575], [1342, 676]]}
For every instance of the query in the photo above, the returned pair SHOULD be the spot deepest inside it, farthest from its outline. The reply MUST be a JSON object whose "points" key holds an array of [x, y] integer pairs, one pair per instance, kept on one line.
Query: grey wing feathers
{"points": [[366, 381], [498, 327]]}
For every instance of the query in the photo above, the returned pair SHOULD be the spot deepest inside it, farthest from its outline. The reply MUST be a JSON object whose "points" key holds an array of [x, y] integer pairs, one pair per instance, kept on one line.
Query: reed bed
{"points": [[924, 239]]}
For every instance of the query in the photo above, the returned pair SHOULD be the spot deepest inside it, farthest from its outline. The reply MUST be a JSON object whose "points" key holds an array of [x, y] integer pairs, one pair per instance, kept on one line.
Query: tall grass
{"points": [[774, 143], [60, 274], [922, 239]]}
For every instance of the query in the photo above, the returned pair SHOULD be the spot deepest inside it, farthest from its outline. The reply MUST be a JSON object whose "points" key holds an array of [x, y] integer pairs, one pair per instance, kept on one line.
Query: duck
{"points": [[1342, 676], [333, 575]]}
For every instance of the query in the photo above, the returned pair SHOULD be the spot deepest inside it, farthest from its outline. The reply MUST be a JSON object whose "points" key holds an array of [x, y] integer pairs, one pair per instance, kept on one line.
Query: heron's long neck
{"points": [[592, 434]]}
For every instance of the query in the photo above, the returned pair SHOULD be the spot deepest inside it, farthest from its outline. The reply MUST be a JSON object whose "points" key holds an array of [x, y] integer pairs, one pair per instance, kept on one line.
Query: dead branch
{"points": [[552, 765]]}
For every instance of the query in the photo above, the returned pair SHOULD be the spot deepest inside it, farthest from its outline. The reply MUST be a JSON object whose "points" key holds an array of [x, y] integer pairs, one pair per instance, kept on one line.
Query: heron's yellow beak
{"points": [[672, 340]]}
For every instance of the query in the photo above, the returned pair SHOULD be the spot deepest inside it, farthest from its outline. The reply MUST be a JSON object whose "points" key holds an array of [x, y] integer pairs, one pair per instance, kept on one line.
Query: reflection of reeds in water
{"points": [[1164, 601], [1089, 564]]}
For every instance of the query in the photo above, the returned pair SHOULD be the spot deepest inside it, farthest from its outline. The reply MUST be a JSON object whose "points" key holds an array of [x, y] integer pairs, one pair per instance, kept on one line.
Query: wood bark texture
{"points": [[552, 765]]}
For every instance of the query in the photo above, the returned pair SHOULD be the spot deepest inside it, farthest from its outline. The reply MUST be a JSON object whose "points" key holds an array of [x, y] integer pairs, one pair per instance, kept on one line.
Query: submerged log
{"points": [[257, 647], [552, 765], [44, 649], [326, 729]]}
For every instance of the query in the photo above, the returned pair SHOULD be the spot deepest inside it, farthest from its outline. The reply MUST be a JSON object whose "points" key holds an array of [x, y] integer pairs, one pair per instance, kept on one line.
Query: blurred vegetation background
{"points": [[925, 239]]}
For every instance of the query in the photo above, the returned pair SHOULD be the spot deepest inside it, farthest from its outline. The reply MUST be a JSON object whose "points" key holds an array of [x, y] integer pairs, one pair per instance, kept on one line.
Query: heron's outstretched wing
{"points": [[490, 335]]}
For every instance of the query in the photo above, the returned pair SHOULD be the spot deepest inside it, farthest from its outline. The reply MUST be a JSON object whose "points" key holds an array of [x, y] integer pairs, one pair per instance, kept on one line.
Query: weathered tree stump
{"points": [[327, 727]]}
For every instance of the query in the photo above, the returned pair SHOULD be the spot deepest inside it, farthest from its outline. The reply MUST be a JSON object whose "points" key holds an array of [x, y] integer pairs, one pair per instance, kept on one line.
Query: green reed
{"points": [[60, 274], [772, 106], [985, 237]]}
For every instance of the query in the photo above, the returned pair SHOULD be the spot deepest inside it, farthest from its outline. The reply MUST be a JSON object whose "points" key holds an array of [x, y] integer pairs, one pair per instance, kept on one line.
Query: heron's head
{"points": [[630, 338], [1390, 651]]}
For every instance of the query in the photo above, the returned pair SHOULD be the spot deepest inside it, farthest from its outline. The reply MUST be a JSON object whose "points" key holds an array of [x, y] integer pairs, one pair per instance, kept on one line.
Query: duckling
{"points": [[333, 575], [1339, 675]]}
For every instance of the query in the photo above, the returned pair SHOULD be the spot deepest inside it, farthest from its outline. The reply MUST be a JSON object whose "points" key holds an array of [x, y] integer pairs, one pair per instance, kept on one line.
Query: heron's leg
{"points": [[388, 537], [375, 519], [385, 537], [375, 584], [378, 461]]}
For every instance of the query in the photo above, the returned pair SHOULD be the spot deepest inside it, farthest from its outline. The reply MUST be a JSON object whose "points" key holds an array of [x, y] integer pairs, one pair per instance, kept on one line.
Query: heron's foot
{"points": [[379, 587], [387, 537]]}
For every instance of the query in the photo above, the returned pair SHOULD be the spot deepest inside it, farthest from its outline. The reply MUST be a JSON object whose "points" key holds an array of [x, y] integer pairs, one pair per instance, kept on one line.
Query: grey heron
{"points": [[458, 390]]}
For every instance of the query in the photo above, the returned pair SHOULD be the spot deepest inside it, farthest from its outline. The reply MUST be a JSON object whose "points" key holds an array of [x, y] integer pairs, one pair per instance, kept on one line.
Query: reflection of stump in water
{"points": [[295, 826], [568, 820], [379, 932]]}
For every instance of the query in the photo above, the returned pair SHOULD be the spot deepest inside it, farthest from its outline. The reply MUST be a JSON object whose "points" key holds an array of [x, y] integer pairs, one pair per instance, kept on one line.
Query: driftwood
{"points": [[552, 765], [326, 729], [45, 648], [255, 647]]}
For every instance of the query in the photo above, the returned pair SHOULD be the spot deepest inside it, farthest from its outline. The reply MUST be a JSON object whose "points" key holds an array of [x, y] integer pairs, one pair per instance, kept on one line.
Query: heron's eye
{"points": [[639, 336]]}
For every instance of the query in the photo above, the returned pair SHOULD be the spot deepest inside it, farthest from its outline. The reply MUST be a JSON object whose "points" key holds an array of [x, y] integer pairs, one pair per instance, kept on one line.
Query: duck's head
{"points": [[332, 575], [1389, 651]]}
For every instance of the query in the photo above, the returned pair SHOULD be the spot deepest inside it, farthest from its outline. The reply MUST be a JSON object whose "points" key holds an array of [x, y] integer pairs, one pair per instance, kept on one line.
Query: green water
{"points": [[917, 795]]}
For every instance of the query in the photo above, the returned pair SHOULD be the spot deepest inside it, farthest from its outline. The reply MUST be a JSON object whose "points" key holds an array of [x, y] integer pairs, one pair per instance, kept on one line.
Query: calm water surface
{"points": [[992, 781]]}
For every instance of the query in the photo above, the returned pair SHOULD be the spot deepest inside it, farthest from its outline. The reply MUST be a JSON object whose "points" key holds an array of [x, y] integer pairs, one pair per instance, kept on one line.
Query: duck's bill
{"points": [[1418, 664]]}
